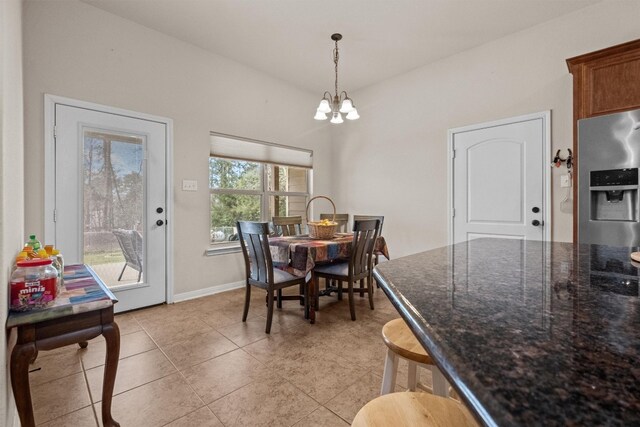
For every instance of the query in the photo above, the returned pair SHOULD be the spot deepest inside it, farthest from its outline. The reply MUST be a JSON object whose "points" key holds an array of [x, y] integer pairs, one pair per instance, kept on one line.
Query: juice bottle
{"points": [[33, 242], [56, 253], [31, 254], [42, 254], [20, 257]]}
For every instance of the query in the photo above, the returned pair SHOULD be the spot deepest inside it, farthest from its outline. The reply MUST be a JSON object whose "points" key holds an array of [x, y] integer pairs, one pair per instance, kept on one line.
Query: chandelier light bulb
{"points": [[346, 106], [320, 115], [337, 118], [324, 107], [353, 115]]}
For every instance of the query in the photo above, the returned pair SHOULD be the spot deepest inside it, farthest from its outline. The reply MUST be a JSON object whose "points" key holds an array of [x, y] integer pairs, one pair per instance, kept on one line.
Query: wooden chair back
{"points": [[365, 217], [365, 233], [254, 239], [341, 219], [287, 225]]}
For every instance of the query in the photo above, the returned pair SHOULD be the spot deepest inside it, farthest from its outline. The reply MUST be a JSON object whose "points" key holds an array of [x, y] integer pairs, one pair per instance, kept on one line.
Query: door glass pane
{"points": [[113, 208], [227, 209]]}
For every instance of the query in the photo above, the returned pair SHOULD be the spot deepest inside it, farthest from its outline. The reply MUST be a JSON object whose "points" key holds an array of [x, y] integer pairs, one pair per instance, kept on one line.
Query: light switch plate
{"points": [[565, 181], [189, 185]]}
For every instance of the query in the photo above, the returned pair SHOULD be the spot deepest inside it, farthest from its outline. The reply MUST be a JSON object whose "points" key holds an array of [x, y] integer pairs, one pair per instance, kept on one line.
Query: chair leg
{"points": [[122, 272], [352, 304], [269, 310], [361, 288], [316, 297], [412, 380], [390, 372], [440, 383], [339, 290], [247, 300], [280, 299], [370, 291], [302, 292]]}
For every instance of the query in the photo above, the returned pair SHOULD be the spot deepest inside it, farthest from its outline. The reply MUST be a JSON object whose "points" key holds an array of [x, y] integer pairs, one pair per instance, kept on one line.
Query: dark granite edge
{"points": [[420, 328]]}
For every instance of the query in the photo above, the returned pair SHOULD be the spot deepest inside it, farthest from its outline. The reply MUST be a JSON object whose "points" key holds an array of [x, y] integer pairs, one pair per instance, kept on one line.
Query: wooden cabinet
{"points": [[605, 81]]}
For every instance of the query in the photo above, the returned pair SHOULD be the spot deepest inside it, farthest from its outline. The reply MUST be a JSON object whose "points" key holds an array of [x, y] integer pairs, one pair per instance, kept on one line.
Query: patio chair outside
{"points": [[130, 242]]}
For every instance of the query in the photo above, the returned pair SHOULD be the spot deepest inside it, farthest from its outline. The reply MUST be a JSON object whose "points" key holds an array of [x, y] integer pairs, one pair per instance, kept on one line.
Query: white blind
{"points": [[231, 147]]}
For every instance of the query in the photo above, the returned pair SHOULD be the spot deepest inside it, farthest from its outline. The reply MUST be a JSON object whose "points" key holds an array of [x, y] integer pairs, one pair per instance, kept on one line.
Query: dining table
{"points": [[528, 333], [299, 254]]}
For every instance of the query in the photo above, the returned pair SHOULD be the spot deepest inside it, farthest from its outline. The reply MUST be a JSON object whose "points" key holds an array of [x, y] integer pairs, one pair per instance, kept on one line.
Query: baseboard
{"points": [[208, 291]]}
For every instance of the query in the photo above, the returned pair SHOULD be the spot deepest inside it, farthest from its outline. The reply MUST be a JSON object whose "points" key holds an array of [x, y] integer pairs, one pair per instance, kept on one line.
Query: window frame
{"points": [[265, 197]]}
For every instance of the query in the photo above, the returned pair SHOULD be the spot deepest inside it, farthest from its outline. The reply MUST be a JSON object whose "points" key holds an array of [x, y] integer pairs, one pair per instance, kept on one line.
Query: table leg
{"points": [[21, 356], [312, 297], [111, 334]]}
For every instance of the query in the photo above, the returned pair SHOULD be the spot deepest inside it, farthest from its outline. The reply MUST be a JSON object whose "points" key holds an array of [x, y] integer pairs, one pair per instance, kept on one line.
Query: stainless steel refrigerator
{"points": [[608, 161]]}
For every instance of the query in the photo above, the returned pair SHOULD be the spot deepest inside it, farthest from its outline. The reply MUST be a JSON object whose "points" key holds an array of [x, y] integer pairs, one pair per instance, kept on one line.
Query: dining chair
{"points": [[359, 266], [254, 240], [375, 254], [341, 219], [287, 225]]}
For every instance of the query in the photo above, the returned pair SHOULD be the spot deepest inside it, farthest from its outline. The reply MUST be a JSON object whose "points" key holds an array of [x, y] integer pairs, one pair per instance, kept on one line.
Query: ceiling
{"points": [[290, 39]]}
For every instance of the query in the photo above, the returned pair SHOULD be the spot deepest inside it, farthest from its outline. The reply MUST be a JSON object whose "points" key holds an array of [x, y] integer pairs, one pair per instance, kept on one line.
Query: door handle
{"points": [[536, 223], [159, 222]]}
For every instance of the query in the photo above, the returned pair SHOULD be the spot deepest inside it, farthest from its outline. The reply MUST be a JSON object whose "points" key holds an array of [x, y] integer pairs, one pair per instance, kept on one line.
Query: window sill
{"points": [[223, 250]]}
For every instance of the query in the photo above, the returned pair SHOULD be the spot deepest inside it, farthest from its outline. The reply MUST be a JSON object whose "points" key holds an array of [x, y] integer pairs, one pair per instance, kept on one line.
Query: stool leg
{"points": [[440, 384], [390, 373], [413, 376]]}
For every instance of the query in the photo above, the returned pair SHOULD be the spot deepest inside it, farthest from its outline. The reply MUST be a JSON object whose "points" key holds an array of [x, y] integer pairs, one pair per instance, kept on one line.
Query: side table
{"points": [[82, 311]]}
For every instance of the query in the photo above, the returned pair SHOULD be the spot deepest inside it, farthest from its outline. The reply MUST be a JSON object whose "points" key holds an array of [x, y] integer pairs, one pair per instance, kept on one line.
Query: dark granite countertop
{"points": [[529, 333]]}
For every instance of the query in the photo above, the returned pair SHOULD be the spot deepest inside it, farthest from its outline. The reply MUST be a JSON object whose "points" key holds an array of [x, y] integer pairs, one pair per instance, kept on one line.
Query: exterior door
{"points": [[499, 181], [110, 200]]}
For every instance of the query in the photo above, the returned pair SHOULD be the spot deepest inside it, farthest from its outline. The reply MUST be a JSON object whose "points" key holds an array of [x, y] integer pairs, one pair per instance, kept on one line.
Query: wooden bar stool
{"points": [[401, 343], [413, 409]]}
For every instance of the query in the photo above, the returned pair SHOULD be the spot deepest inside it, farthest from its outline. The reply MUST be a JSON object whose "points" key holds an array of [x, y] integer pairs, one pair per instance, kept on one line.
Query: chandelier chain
{"points": [[336, 57]]}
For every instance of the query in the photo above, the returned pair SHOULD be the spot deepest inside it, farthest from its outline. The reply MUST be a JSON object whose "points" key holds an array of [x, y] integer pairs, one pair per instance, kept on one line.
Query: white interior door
{"points": [[110, 200], [499, 181]]}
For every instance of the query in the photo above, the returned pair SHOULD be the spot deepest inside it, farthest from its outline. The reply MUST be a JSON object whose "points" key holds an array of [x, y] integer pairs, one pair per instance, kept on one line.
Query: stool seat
{"points": [[413, 409], [399, 338]]}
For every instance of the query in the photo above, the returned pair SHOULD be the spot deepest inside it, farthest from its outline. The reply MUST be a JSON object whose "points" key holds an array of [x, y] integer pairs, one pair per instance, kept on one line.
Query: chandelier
{"points": [[336, 104]]}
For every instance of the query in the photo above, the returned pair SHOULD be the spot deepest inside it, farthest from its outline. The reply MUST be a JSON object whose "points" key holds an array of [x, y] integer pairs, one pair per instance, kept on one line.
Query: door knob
{"points": [[536, 223], [159, 210], [159, 222], [535, 209]]}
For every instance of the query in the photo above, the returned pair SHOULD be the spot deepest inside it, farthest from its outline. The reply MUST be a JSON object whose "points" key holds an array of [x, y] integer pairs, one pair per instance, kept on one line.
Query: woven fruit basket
{"points": [[323, 229]]}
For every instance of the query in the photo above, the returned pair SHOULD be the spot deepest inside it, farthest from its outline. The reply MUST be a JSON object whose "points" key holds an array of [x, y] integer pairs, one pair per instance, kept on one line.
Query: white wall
{"points": [[11, 175], [401, 139], [74, 50]]}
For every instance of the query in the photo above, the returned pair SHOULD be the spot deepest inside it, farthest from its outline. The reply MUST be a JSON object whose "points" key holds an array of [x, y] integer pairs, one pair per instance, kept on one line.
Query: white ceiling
{"points": [[290, 39]]}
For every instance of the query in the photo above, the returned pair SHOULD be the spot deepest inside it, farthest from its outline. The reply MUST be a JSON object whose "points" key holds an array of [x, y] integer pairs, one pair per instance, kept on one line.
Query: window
{"points": [[251, 190]]}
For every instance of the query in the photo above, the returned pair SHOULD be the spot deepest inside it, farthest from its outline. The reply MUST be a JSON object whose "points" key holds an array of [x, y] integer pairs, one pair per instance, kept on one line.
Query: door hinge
{"points": [[453, 212], [55, 215], [55, 132], [453, 154]]}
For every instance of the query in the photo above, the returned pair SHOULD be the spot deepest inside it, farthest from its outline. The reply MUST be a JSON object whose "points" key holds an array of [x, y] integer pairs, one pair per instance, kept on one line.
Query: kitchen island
{"points": [[528, 333]]}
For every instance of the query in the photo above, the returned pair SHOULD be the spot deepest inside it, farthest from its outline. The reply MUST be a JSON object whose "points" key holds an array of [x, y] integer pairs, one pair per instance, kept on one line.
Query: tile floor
{"points": [[196, 364]]}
